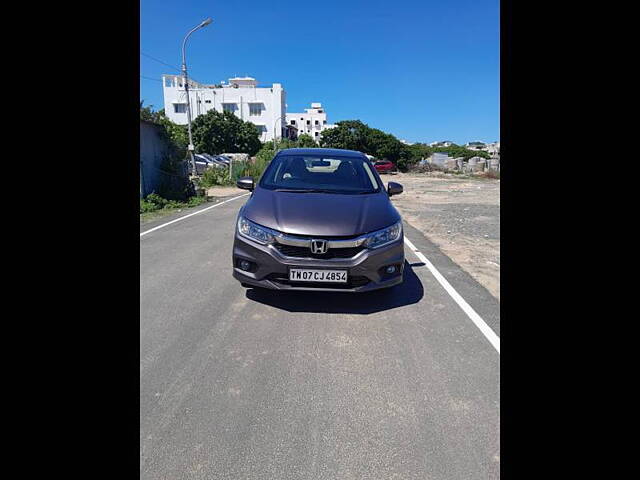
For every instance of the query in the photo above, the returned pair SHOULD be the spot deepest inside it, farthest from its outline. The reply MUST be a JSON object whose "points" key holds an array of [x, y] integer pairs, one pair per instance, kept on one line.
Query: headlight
{"points": [[384, 236], [254, 231]]}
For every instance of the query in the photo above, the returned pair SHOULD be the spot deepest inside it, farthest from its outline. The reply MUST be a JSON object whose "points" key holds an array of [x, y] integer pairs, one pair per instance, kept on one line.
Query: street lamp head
{"points": [[206, 22]]}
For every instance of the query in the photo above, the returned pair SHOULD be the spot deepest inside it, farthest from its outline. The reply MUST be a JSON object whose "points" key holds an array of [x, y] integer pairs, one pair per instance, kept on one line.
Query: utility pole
{"points": [[275, 150], [185, 79]]}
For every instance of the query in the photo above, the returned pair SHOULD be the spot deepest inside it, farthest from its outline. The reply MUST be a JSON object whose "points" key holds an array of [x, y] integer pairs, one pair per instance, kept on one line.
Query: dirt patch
{"points": [[461, 216], [224, 191]]}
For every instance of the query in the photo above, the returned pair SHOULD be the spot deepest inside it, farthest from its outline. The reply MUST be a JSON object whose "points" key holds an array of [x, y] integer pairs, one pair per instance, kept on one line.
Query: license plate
{"points": [[309, 275]]}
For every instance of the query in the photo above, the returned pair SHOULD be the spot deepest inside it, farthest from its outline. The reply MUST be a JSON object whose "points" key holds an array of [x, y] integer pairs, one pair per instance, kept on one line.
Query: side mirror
{"points": [[245, 183], [394, 188]]}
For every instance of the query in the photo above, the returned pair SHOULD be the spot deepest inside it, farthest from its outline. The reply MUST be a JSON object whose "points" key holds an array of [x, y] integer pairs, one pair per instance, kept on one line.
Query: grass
{"points": [[220, 176], [154, 206]]}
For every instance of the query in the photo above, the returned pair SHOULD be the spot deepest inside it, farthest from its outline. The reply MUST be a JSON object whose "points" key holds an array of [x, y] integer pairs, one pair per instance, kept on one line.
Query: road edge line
{"points": [[191, 214], [462, 303]]}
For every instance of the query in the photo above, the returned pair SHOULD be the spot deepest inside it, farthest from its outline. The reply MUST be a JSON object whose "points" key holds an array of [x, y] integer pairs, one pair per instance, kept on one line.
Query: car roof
{"points": [[321, 151]]}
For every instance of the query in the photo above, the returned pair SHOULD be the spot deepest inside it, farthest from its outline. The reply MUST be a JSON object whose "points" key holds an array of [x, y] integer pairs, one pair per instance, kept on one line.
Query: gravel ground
{"points": [[461, 216], [223, 192]]}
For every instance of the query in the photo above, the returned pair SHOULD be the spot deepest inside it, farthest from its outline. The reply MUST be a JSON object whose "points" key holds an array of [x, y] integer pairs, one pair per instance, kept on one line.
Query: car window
{"points": [[330, 174]]}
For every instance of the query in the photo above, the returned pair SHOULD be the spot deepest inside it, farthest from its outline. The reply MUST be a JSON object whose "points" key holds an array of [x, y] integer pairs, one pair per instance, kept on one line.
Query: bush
{"points": [[220, 176], [155, 202], [146, 207], [215, 176]]}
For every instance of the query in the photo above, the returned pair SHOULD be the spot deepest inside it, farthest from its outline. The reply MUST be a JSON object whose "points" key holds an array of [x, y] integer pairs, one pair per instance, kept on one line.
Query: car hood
{"points": [[322, 214]]}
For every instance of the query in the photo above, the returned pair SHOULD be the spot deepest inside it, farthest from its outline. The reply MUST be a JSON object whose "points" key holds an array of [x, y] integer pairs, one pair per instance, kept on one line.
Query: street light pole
{"points": [[185, 80], [274, 134]]}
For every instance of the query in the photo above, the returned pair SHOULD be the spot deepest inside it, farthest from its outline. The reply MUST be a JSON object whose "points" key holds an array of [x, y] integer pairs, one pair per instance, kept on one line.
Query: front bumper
{"points": [[270, 269]]}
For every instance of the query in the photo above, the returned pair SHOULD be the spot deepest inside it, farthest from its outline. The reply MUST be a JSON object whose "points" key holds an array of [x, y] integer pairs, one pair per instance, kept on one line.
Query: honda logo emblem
{"points": [[319, 246]]}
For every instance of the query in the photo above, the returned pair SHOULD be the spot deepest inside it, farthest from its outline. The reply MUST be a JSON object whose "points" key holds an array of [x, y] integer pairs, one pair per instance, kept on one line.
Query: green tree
{"points": [[175, 134], [147, 113], [455, 151], [356, 135], [216, 132], [306, 141], [348, 135], [418, 151]]}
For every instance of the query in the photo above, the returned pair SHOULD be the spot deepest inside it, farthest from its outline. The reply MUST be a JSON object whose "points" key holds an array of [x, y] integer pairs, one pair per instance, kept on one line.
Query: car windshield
{"points": [[322, 174]]}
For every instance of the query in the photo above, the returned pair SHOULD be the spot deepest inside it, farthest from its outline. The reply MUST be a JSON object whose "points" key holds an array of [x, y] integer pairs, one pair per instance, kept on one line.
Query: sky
{"points": [[422, 70]]}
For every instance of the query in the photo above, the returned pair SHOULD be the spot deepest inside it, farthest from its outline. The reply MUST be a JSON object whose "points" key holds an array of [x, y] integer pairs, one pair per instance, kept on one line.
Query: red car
{"points": [[385, 166]]}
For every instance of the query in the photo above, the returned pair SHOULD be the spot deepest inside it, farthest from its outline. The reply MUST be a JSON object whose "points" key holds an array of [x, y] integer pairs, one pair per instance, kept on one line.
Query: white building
{"points": [[491, 148], [445, 143], [265, 106], [312, 122]]}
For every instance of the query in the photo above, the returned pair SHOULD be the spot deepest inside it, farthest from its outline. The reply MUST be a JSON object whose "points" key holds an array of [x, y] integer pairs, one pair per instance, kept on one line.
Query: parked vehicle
{"points": [[223, 159], [202, 163], [385, 166], [319, 220]]}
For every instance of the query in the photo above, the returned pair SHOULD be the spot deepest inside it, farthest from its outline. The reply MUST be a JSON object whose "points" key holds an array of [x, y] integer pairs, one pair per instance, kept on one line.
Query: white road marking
{"points": [[471, 313], [191, 214]]}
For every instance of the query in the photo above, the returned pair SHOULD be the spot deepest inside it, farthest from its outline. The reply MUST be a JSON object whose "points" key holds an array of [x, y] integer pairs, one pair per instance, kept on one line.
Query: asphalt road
{"points": [[239, 384]]}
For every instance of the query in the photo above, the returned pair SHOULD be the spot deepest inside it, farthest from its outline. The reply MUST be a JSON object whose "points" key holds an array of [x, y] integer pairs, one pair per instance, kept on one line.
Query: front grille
{"points": [[353, 282], [305, 252]]}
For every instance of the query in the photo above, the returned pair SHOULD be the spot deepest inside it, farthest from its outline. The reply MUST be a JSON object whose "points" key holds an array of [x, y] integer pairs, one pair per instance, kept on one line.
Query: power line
{"points": [[149, 78], [160, 61], [168, 65]]}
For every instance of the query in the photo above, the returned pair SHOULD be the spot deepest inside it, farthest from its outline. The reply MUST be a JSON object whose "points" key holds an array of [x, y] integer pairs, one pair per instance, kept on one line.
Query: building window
{"points": [[324, 122], [293, 122], [261, 128], [180, 108], [317, 122], [319, 111], [207, 101], [229, 107], [308, 122], [255, 109], [168, 82], [316, 134]]}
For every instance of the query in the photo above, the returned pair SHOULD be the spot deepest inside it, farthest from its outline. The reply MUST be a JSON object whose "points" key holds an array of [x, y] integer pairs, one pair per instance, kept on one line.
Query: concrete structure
{"points": [[312, 122], [446, 143], [264, 106], [153, 152], [439, 159], [153, 149]]}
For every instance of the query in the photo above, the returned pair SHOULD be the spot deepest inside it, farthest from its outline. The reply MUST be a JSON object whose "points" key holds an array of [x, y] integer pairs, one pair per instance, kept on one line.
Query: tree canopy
{"points": [[175, 134], [306, 141], [356, 135], [223, 132]]}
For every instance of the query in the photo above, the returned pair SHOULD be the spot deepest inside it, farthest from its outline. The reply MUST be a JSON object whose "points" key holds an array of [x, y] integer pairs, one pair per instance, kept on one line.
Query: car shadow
{"points": [[410, 291]]}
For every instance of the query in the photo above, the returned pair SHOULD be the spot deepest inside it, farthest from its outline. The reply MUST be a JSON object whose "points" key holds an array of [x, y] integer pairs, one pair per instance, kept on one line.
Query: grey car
{"points": [[319, 220]]}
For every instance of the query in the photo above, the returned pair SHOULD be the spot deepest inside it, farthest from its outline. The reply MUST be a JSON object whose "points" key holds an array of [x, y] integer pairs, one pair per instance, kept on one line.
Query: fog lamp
{"points": [[244, 265], [391, 269]]}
